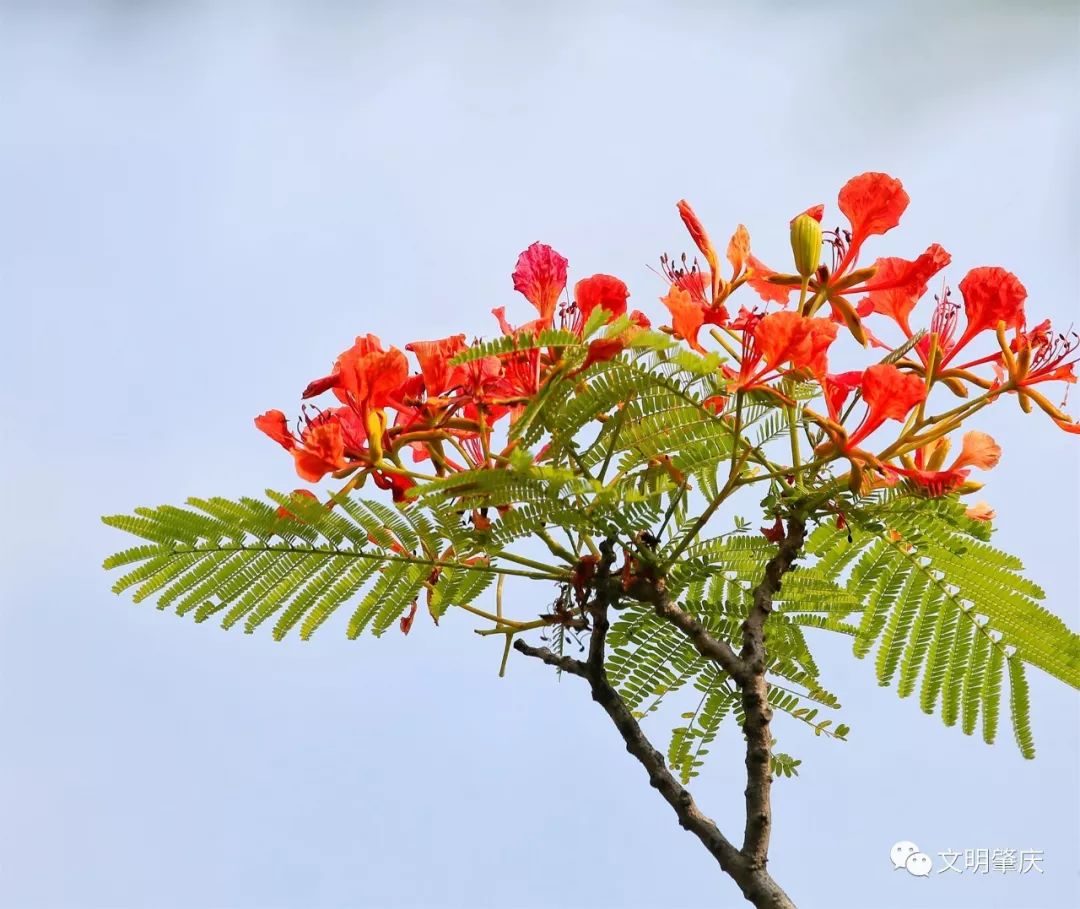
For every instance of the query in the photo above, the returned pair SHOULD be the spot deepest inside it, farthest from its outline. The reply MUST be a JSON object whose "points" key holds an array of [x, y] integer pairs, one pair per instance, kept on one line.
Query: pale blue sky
{"points": [[200, 205]]}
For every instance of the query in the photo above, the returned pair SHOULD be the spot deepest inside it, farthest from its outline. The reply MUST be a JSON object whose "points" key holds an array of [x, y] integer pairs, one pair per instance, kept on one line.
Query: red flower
{"points": [[709, 290], [274, 424], [889, 394], [398, 484], [283, 512], [406, 622], [873, 203], [991, 295], [603, 349], [693, 282], [322, 451], [898, 284], [738, 251], [434, 358], [787, 337], [521, 369], [365, 376], [774, 534], [327, 442], [837, 387], [369, 379], [779, 338], [540, 275], [1049, 356], [604, 291], [687, 315], [980, 450], [1037, 356]]}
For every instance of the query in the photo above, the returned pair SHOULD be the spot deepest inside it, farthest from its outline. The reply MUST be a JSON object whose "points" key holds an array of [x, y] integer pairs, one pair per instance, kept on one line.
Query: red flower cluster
{"points": [[794, 342], [445, 411], [979, 349]]}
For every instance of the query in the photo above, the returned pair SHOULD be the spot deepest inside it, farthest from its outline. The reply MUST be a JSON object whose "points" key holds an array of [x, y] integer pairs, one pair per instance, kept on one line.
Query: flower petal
{"points": [[898, 284], [274, 424], [991, 295], [738, 251], [605, 291], [979, 450], [769, 292], [873, 203], [434, 359], [890, 393], [687, 316], [540, 275]]}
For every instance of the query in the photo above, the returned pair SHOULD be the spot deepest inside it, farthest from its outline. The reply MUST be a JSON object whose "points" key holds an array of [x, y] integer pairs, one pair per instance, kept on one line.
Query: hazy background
{"points": [[200, 205]]}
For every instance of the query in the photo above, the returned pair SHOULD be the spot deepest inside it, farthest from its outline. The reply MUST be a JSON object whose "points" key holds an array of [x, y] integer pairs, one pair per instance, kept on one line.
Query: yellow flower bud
{"points": [[806, 244], [936, 452], [376, 425]]}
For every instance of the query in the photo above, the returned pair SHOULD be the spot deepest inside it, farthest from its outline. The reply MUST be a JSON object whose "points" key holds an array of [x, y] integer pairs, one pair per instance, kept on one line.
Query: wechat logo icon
{"points": [[906, 855]]}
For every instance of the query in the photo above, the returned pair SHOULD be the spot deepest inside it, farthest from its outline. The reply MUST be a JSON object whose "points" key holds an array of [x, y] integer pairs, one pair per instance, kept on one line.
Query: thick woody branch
{"points": [[754, 881], [756, 710], [660, 778]]}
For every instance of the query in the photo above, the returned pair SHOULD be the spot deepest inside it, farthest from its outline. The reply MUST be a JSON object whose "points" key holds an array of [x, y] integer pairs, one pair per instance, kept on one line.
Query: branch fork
{"points": [[745, 865]]}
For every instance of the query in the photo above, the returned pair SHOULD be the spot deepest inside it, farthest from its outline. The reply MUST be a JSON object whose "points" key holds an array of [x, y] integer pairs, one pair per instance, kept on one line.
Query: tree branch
{"points": [[565, 663], [719, 651], [754, 881], [755, 698]]}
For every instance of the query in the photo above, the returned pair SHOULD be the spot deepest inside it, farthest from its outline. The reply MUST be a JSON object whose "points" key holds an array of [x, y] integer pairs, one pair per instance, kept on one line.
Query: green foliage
{"points": [[614, 450], [252, 563], [944, 606]]}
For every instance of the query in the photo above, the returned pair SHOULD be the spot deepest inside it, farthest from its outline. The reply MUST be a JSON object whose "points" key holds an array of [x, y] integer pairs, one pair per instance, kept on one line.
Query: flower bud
{"points": [[376, 425], [806, 244], [855, 479], [935, 453]]}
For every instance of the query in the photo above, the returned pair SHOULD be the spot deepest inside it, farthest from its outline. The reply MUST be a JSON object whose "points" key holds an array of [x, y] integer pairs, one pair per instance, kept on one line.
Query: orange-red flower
{"points": [[890, 394], [781, 338], [898, 284], [329, 441], [398, 484], [434, 358], [698, 235], [979, 450], [738, 251], [1045, 356], [283, 512], [709, 290], [540, 275], [603, 349], [604, 291], [322, 451], [991, 295], [837, 387], [1034, 357], [365, 376], [521, 369], [687, 315], [873, 203], [787, 337], [274, 424], [759, 281]]}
